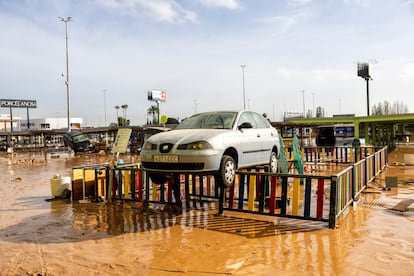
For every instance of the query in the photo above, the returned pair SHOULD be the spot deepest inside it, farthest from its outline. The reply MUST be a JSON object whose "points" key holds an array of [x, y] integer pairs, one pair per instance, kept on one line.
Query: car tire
{"points": [[227, 171], [273, 163]]}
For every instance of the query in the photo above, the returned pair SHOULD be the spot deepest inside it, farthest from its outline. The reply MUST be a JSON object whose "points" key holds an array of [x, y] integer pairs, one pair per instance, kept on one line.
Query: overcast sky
{"points": [[193, 50]]}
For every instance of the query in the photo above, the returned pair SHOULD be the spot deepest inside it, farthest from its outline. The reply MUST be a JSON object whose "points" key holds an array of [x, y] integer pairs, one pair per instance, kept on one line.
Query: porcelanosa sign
{"points": [[18, 103]]}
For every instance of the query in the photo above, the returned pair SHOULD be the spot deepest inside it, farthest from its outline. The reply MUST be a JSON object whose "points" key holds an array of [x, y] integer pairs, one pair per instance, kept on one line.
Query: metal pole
{"points": [[68, 19], [11, 119], [367, 79], [158, 112], [244, 91], [303, 100], [28, 121], [105, 105], [313, 104]]}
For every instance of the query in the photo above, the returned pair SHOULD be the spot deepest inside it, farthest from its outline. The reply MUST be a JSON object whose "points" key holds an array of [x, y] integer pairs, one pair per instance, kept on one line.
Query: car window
{"points": [[213, 120], [246, 117], [260, 121]]}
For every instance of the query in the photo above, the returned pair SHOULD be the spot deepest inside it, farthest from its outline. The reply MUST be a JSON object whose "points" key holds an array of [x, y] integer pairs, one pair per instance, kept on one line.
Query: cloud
{"points": [[168, 11], [313, 75], [298, 2], [287, 21], [362, 3], [407, 74], [228, 4]]}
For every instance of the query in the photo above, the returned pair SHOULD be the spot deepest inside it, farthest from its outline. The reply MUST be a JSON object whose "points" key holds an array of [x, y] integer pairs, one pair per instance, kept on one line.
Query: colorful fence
{"points": [[281, 195], [333, 154], [302, 196]]}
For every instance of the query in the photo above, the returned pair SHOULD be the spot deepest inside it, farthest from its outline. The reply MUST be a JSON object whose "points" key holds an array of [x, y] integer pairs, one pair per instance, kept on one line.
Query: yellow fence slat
{"points": [[295, 196], [252, 193]]}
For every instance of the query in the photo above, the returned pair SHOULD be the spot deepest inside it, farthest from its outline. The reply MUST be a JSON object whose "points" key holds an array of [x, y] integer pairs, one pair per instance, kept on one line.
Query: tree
{"points": [[124, 108], [153, 111], [320, 112], [399, 108], [385, 108]]}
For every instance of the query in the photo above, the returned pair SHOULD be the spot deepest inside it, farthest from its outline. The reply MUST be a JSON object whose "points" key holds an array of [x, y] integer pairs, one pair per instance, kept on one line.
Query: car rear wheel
{"points": [[273, 162], [227, 171]]}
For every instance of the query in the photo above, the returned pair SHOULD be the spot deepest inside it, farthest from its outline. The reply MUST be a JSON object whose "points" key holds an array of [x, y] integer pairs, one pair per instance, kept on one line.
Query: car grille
{"points": [[173, 166], [166, 148]]}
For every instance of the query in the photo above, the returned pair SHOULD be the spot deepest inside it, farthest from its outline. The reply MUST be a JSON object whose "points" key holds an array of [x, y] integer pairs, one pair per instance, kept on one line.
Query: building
{"points": [[38, 124], [51, 123], [5, 124]]}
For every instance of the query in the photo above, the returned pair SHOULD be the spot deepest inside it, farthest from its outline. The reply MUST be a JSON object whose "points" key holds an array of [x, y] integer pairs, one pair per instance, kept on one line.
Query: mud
{"points": [[60, 237]]}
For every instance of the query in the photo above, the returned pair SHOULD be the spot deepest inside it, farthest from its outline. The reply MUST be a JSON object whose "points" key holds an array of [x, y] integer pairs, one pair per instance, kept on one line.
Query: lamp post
{"points": [[244, 91], [66, 20], [104, 106], [303, 101]]}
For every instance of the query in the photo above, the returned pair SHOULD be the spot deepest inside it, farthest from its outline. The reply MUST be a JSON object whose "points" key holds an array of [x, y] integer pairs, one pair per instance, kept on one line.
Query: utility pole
{"points": [[244, 90], [66, 20], [303, 100]]}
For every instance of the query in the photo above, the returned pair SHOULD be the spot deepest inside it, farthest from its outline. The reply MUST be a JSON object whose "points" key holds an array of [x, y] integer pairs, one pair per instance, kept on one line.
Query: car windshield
{"points": [[80, 138], [216, 120]]}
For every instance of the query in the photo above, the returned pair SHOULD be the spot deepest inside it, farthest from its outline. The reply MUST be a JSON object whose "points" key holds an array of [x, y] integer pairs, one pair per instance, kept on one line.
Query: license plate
{"points": [[166, 158]]}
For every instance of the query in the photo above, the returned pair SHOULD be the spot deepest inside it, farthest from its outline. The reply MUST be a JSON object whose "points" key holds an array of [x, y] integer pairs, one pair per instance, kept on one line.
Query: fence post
{"points": [[272, 197], [319, 199], [251, 192], [284, 195], [221, 201], [354, 180], [241, 192], [308, 194], [187, 190], [262, 195], [295, 195], [132, 182], [231, 196], [332, 204], [147, 186]]}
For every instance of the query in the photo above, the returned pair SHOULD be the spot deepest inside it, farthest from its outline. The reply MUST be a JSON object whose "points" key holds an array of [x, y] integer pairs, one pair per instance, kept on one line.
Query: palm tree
{"points": [[124, 108], [117, 108], [152, 111]]}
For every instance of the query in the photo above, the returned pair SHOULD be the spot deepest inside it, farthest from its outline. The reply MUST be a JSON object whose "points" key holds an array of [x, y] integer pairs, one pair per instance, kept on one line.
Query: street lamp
{"points": [[244, 91], [303, 101], [66, 20], [105, 106]]}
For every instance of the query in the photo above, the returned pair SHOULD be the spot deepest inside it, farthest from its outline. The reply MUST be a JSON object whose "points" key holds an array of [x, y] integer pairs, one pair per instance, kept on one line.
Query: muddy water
{"points": [[38, 237]]}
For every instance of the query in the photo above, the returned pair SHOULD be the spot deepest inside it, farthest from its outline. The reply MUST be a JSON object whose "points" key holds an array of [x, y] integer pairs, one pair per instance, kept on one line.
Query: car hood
{"points": [[187, 135]]}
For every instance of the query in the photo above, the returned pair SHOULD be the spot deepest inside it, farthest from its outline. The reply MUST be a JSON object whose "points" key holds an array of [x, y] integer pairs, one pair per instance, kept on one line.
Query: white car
{"points": [[216, 143]]}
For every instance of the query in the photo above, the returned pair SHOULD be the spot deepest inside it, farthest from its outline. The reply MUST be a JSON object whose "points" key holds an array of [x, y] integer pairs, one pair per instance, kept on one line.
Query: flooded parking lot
{"points": [[61, 237]]}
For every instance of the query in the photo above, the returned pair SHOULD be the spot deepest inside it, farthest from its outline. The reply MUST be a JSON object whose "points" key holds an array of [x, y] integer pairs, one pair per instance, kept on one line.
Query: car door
{"points": [[267, 136], [250, 142]]}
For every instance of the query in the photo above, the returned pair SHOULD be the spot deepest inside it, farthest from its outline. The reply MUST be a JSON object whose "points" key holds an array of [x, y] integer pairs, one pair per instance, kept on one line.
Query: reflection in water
{"points": [[119, 217]]}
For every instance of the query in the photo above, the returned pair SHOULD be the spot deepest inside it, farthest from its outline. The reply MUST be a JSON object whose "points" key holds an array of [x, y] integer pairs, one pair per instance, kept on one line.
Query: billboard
{"points": [[364, 70], [18, 103], [157, 95]]}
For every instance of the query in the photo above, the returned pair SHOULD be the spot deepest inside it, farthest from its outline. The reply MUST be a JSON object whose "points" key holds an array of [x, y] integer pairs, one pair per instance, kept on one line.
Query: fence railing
{"points": [[301, 196]]}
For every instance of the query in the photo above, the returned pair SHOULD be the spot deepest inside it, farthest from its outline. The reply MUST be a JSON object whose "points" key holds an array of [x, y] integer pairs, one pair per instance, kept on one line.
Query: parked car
{"points": [[215, 143], [77, 141]]}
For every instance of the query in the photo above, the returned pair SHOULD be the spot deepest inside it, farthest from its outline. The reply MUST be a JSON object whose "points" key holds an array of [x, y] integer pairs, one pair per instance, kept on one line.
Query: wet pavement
{"points": [[39, 237]]}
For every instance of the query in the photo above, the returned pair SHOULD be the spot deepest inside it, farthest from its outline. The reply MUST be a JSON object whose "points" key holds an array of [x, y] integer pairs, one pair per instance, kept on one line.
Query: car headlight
{"points": [[200, 145], [149, 146]]}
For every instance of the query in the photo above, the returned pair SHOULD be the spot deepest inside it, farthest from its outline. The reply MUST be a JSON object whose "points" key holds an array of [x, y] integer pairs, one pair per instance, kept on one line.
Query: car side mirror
{"points": [[245, 125]]}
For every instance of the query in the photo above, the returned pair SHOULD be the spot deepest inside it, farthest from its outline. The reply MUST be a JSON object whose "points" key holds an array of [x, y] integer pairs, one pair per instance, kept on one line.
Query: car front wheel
{"points": [[227, 171]]}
